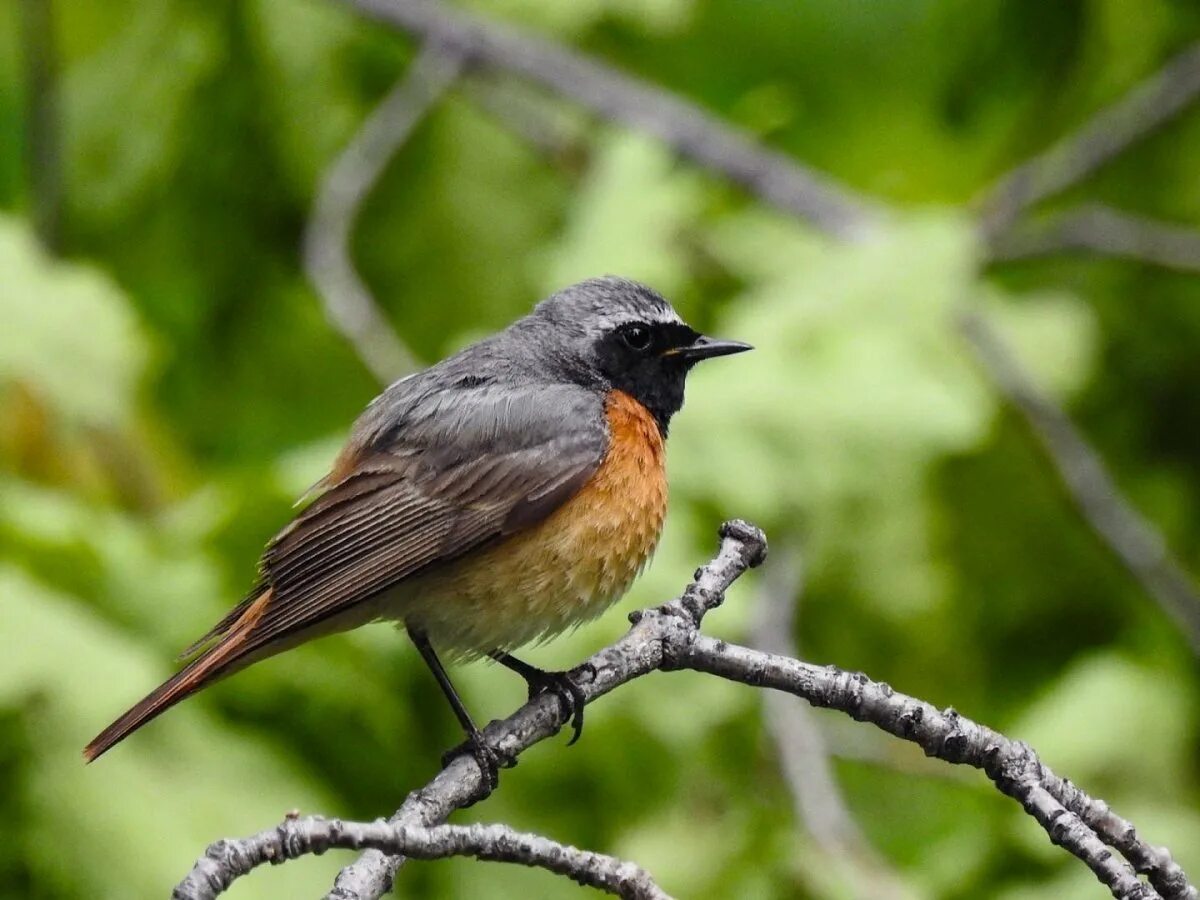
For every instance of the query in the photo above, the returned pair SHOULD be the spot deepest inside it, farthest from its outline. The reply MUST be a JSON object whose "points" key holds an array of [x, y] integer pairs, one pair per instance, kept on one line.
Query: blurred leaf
{"points": [[860, 387], [153, 575], [68, 332], [628, 218], [1053, 336], [143, 77], [1148, 722], [313, 109], [140, 816]]}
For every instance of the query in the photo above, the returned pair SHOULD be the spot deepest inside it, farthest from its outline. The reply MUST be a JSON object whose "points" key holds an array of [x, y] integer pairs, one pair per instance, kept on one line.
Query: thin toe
{"points": [[489, 760]]}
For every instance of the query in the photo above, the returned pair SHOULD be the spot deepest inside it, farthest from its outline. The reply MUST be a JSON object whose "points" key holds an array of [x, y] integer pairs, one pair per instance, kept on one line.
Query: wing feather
{"points": [[431, 492]]}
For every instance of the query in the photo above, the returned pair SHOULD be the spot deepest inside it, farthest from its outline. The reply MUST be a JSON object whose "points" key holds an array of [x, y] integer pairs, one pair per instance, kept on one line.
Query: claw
{"points": [[569, 694], [561, 684], [487, 757]]}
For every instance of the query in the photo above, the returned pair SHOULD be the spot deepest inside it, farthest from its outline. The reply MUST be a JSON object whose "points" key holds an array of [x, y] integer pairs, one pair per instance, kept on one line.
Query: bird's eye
{"points": [[636, 337]]}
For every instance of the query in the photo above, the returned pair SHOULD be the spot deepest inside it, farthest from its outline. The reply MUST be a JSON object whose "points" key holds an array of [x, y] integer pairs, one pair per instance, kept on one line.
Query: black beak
{"points": [[706, 348]]}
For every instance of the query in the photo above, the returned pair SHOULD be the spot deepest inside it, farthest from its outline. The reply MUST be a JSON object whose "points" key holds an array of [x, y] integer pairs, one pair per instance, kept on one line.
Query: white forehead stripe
{"points": [[620, 317]]}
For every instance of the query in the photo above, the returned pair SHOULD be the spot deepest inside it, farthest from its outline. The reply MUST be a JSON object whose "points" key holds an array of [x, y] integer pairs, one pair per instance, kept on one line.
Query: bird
{"points": [[505, 494]]}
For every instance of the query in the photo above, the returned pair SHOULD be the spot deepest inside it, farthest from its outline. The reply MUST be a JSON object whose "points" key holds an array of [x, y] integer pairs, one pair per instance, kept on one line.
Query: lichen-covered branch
{"points": [[668, 637], [226, 861], [656, 636], [1071, 818]]}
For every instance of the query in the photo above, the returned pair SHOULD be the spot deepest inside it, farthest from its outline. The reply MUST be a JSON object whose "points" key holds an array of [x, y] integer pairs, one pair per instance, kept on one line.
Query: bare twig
{"points": [[42, 136], [1099, 140], [800, 745], [657, 636], [847, 742], [668, 638], [1072, 819], [226, 861], [1127, 534], [1100, 229], [327, 257], [686, 128]]}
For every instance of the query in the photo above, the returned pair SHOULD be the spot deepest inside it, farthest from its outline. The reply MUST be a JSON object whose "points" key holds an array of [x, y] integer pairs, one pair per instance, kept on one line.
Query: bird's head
{"points": [[615, 333]]}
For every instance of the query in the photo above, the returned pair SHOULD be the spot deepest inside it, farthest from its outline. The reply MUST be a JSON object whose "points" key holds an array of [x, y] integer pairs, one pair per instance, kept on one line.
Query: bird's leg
{"points": [[560, 684], [485, 755]]}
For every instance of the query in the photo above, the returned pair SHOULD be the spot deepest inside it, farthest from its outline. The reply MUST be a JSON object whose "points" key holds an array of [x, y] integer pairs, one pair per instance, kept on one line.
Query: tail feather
{"points": [[198, 674], [210, 637]]}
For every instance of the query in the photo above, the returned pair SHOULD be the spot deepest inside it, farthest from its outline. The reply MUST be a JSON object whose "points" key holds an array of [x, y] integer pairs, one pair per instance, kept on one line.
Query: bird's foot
{"points": [[488, 758], [563, 686]]}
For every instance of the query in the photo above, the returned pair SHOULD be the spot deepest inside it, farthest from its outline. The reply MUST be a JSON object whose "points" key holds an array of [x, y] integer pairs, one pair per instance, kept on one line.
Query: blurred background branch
{"points": [[1135, 542], [1100, 139], [1099, 229], [43, 154], [617, 97], [560, 141], [800, 746], [328, 253]]}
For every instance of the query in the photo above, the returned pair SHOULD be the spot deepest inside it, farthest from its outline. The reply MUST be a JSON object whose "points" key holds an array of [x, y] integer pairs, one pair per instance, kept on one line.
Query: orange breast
{"points": [[567, 569], [616, 518]]}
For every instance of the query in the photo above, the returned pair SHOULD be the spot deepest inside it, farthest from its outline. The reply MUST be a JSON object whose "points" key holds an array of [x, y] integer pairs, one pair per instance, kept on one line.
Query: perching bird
{"points": [[501, 496]]}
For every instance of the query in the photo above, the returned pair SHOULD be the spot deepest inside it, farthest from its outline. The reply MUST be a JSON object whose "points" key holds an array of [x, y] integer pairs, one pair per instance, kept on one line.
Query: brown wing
{"points": [[389, 520], [425, 478]]}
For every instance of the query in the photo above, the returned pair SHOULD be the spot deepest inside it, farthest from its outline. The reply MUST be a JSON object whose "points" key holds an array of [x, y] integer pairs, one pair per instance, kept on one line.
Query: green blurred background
{"points": [[169, 385]]}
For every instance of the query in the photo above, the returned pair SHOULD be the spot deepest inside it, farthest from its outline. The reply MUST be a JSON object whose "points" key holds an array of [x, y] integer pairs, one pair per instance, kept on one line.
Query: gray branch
{"points": [[226, 861], [1102, 138], [657, 636], [1135, 542], [348, 302], [559, 140], [1079, 824], [1100, 229], [690, 131], [668, 637]]}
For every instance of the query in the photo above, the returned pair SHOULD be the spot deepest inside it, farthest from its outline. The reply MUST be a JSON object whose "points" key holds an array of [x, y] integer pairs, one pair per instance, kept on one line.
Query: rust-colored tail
{"points": [[199, 673]]}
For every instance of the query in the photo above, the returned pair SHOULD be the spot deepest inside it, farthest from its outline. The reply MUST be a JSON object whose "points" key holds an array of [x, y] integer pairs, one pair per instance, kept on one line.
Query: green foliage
{"points": [[109, 163], [70, 336], [170, 385], [134, 829]]}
